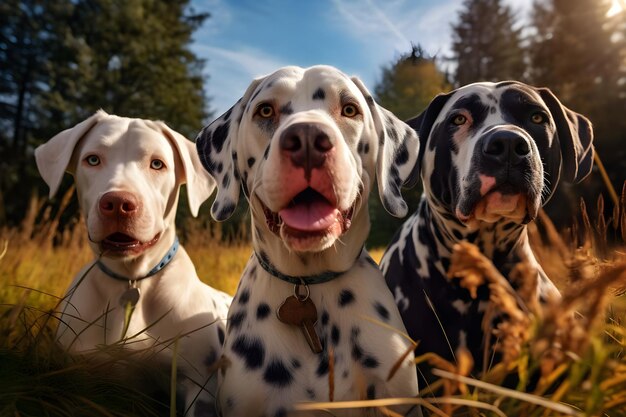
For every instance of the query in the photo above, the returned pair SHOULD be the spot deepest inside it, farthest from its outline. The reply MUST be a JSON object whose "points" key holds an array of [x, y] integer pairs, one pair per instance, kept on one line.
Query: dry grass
{"points": [[566, 357]]}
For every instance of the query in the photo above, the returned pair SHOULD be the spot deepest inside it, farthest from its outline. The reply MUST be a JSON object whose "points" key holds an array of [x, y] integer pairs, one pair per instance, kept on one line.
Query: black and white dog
{"points": [[491, 155], [305, 145]]}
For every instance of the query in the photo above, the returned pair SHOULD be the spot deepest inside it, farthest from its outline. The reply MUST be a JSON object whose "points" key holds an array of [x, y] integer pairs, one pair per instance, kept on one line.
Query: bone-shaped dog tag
{"points": [[302, 313]]}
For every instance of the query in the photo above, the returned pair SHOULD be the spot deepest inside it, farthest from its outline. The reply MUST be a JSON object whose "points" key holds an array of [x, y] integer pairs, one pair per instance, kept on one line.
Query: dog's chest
{"points": [[278, 355]]}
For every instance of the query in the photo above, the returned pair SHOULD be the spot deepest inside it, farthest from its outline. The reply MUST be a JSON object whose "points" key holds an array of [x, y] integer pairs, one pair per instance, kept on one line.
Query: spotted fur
{"points": [[271, 365], [459, 169]]}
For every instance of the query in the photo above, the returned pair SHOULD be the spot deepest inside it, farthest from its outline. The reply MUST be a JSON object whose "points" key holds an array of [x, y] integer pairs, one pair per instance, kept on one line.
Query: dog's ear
{"points": [[575, 136], [398, 148], [216, 145], [53, 157], [200, 184], [423, 124]]}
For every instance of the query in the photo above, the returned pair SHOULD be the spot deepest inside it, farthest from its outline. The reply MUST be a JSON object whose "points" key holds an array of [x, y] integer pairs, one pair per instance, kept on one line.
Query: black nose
{"points": [[506, 147], [307, 145]]}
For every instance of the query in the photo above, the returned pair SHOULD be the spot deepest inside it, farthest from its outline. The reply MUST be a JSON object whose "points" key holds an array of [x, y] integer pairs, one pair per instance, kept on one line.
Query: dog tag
{"points": [[130, 296], [302, 313]]}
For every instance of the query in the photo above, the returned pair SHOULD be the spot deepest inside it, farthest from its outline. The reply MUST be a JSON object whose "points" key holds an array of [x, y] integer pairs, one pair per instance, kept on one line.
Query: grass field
{"points": [[568, 356]]}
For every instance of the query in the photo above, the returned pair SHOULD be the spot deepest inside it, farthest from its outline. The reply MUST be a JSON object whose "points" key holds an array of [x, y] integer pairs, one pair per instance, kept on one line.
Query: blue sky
{"points": [[244, 39]]}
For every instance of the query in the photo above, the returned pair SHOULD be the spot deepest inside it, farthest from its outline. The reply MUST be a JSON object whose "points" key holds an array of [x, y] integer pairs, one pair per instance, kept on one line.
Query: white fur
{"points": [[175, 299]]}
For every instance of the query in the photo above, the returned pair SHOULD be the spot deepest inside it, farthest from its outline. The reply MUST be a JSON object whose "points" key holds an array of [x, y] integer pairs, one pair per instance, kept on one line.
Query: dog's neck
{"points": [[500, 241], [339, 257], [140, 266]]}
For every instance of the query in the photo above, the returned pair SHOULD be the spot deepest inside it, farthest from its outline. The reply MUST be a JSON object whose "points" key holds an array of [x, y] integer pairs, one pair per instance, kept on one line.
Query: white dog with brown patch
{"points": [[128, 173]]}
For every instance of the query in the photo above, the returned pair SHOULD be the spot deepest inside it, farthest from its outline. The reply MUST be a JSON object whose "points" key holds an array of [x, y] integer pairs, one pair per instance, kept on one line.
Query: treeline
{"points": [[62, 60], [577, 48]]}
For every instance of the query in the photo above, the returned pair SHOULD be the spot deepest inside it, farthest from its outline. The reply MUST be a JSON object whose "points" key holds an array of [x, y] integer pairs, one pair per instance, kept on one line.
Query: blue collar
{"points": [[159, 266], [303, 280]]}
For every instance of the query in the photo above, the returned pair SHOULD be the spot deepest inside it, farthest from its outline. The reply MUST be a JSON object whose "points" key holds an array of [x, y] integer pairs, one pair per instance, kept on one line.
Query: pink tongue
{"points": [[318, 215]]}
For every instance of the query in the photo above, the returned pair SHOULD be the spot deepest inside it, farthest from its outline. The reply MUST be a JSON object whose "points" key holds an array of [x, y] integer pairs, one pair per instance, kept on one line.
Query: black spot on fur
{"points": [[322, 367], [267, 151], [319, 94], [295, 363], [370, 362], [324, 318], [262, 311], [226, 181], [371, 392], [220, 335], [335, 335], [226, 115], [237, 319], [251, 350], [219, 168], [277, 374], [219, 136], [345, 297], [369, 100], [244, 297], [286, 109], [382, 311], [251, 162], [402, 155], [225, 211], [210, 358]]}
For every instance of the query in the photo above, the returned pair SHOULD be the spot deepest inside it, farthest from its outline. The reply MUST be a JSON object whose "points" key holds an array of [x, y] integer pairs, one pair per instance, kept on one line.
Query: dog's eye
{"points": [[265, 110], [538, 118], [92, 160], [459, 120], [157, 164], [349, 110]]}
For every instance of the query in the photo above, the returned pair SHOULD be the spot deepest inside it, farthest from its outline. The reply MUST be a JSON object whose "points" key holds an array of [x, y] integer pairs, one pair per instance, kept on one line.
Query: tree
{"points": [[61, 61], [406, 88], [410, 83], [575, 52], [486, 43], [578, 51]]}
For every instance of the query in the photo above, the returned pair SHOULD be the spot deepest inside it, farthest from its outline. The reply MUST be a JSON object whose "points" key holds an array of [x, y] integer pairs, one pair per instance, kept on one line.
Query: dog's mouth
{"points": [[121, 244], [309, 215], [504, 202]]}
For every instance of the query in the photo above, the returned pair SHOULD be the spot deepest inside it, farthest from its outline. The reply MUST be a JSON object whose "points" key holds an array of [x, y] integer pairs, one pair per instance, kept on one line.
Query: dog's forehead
{"points": [[128, 135], [319, 83], [494, 96]]}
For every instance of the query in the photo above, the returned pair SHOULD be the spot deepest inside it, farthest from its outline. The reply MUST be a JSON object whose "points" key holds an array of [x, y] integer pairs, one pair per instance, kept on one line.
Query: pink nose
{"points": [[119, 204]]}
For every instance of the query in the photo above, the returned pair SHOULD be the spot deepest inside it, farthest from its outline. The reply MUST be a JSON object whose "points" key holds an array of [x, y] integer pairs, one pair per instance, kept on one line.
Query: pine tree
{"points": [[487, 43]]}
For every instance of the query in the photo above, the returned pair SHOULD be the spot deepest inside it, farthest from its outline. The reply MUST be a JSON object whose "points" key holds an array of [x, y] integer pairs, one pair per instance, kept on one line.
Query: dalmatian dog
{"points": [[304, 145], [491, 154], [128, 173]]}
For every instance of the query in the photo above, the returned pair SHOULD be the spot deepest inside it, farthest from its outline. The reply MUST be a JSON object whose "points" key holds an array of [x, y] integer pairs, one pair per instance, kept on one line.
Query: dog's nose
{"points": [[307, 144], [506, 147], [118, 204]]}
